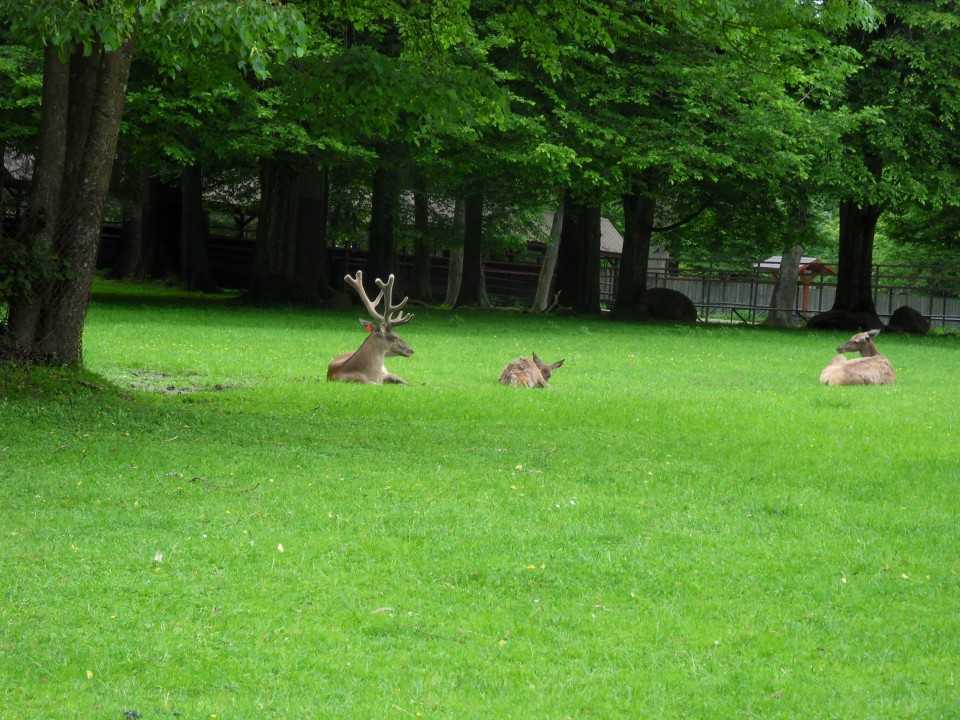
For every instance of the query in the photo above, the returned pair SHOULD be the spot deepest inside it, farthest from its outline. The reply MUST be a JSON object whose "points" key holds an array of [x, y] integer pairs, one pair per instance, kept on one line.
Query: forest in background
{"points": [[712, 127]]}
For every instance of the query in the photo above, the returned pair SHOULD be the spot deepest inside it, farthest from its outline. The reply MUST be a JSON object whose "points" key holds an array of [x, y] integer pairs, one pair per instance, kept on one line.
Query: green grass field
{"points": [[685, 525]]}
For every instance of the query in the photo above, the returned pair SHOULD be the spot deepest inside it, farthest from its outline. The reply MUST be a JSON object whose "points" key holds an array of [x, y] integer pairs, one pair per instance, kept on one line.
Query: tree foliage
{"points": [[88, 51], [898, 144], [729, 122]]}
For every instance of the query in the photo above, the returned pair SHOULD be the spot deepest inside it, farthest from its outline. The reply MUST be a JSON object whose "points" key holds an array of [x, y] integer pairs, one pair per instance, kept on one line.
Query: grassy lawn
{"points": [[685, 525]]}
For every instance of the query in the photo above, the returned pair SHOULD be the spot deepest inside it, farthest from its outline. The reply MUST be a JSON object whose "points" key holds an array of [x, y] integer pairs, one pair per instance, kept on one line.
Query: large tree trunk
{"points": [[578, 266], [126, 186], [194, 261], [472, 290], [160, 229], [639, 206], [858, 227], [71, 191], [3, 191], [542, 301], [784, 295], [854, 308], [384, 199], [422, 289], [290, 260], [311, 275], [131, 240], [39, 224], [273, 257]]}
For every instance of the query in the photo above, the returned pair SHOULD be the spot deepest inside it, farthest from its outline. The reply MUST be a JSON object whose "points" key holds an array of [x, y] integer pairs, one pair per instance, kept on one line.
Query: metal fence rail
{"points": [[744, 296]]}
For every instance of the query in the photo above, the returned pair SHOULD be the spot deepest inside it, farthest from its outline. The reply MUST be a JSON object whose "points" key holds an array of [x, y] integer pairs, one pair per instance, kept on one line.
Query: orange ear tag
{"points": [[368, 327]]}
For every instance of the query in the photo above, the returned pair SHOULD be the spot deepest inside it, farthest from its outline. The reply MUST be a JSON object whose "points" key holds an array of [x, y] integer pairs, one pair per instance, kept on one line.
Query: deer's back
{"points": [[522, 372], [333, 369], [873, 370]]}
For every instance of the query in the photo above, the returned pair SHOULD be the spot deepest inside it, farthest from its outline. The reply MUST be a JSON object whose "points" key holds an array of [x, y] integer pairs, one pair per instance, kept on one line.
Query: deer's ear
{"points": [[368, 326], [557, 364], [874, 332]]}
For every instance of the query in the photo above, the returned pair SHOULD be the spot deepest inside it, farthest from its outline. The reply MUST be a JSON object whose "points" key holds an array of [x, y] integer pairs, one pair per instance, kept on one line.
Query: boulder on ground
{"points": [[907, 320], [658, 305]]}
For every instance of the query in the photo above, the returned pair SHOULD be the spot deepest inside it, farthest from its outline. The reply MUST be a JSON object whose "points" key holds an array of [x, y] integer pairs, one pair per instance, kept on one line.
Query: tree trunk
{"points": [[131, 240], [38, 227], [472, 291], [311, 281], [290, 260], [542, 301], [160, 229], [381, 252], [126, 187], [853, 308], [273, 257], [422, 289], [3, 194], [194, 261], [639, 206], [455, 269], [578, 265], [71, 190], [858, 226], [783, 297]]}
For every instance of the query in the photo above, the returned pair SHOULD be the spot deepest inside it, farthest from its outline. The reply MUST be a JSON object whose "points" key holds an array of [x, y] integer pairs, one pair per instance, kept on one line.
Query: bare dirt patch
{"points": [[168, 383]]}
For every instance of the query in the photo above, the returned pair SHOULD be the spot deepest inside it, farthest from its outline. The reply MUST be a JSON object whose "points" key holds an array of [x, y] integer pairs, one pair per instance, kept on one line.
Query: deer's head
{"points": [[383, 324], [383, 335], [546, 369], [861, 343]]}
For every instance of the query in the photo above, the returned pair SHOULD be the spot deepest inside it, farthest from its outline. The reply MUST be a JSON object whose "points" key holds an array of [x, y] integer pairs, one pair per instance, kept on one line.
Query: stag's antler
{"points": [[386, 294]]}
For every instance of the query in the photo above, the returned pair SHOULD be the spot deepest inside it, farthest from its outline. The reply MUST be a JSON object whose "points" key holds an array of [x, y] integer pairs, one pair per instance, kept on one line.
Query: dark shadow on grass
{"points": [[130, 294], [121, 293]]}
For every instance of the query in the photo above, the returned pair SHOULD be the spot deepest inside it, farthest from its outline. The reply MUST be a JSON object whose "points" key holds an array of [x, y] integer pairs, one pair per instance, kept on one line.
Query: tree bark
{"points": [[160, 229], [273, 257], [70, 193], [542, 301], [853, 307], [3, 195], [194, 261], [858, 227], [381, 249], [290, 260], [422, 289], [639, 206], [472, 291], [126, 187], [131, 240], [578, 265], [782, 299], [311, 281], [38, 227], [455, 268]]}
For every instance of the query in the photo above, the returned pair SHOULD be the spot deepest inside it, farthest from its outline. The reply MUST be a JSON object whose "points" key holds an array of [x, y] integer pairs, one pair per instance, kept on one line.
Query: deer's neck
{"points": [[869, 350], [369, 356]]}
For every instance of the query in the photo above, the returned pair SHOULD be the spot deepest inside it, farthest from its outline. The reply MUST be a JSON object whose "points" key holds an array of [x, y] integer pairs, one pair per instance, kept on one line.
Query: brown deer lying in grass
{"points": [[524, 372], [365, 364], [871, 368]]}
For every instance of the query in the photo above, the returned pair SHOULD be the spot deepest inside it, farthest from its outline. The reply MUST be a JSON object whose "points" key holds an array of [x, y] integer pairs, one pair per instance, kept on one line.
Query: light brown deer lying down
{"points": [[871, 368], [524, 372], [365, 364]]}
